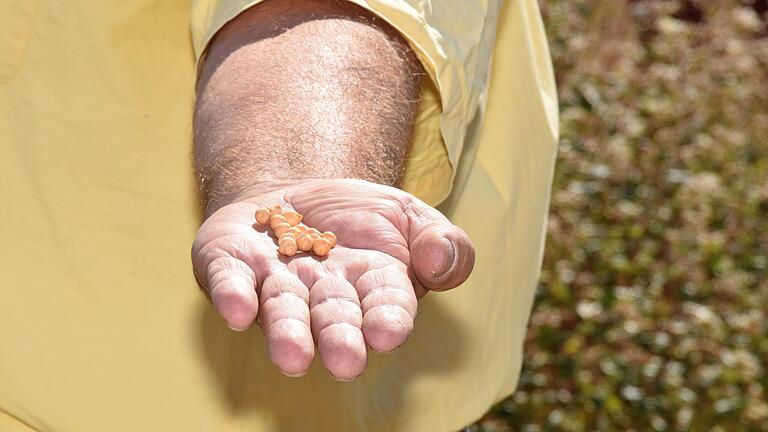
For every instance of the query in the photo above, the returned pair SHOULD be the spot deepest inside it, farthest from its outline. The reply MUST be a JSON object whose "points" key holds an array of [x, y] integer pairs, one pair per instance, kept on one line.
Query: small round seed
{"points": [[295, 231], [281, 229], [275, 210], [275, 220], [313, 231], [331, 237], [304, 242], [262, 215], [321, 247], [293, 217], [287, 246]]}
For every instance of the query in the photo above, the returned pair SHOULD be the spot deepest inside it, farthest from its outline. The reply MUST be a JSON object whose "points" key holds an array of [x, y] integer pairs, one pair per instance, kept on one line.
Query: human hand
{"points": [[392, 248]]}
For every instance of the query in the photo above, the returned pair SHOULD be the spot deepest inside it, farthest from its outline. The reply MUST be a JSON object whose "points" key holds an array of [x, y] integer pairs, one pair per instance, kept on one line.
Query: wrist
{"points": [[252, 190]]}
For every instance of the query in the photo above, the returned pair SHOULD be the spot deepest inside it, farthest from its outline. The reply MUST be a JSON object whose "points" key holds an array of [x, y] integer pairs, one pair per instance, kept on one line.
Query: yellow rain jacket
{"points": [[102, 327]]}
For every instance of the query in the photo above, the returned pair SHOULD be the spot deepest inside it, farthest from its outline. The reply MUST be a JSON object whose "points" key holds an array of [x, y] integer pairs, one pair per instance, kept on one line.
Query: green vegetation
{"points": [[651, 312]]}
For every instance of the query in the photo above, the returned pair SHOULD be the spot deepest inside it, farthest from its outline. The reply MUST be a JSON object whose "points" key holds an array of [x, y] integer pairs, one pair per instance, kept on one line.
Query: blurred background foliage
{"points": [[651, 311]]}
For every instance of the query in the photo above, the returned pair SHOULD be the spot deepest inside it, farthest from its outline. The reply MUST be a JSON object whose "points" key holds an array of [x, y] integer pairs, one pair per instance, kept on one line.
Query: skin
{"points": [[310, 105]]}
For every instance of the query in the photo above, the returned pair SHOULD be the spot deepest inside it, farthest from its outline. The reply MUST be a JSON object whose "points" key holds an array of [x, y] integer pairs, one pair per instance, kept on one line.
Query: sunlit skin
{"points": [[391, 249], [310, 105]]}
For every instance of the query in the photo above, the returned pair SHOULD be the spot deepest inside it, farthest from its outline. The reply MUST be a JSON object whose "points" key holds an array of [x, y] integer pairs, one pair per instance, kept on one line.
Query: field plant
{"points": [[651, 310]]}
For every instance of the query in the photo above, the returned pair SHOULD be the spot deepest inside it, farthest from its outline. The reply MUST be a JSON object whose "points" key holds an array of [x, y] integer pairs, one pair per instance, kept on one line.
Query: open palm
{"points": [[392, 248]]}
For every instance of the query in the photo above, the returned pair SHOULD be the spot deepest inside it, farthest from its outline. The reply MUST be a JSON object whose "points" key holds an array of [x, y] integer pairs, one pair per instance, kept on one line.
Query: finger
{"points": [[442, 256], [389, 307], [336, 320], [285, 320], [231, 285]]}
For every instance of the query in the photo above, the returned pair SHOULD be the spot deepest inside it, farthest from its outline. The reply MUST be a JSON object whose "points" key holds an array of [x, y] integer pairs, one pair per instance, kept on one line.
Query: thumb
{"points": [[442, 256]]}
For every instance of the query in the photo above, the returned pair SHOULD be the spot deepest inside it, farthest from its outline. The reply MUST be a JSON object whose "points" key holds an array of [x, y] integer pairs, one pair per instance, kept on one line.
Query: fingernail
{"points": [[448, 260], [296, 375], [341, 379], [237, 329]]}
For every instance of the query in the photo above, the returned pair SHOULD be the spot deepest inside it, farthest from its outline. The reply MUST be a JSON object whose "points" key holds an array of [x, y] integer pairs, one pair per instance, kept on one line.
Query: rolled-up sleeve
{"points": [[454, 42]]}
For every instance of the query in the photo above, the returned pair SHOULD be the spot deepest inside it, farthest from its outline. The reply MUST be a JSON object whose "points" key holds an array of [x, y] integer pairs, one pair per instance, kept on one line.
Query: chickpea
{"points": [[331, 237], [281, 229], [294, 236], [321, 246], [304, 242], [262, 216], [287, 246], [293, 217], [277, 219], [294, 231], [275, 210]]}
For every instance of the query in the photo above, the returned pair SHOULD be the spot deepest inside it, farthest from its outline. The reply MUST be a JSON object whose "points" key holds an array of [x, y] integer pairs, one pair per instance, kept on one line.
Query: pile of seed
{"points": [[292, 235]]}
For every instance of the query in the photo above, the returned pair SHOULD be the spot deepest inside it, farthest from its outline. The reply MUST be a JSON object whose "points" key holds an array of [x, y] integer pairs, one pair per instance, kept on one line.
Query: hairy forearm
{"points": [[303, 89]]}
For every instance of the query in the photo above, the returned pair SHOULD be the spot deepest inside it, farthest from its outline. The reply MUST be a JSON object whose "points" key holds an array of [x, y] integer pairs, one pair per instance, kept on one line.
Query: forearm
{"points": [[303, 89]]}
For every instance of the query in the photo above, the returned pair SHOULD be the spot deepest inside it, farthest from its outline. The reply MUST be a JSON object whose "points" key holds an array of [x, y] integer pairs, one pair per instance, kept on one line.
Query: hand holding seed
{"points": [[352, 259]]}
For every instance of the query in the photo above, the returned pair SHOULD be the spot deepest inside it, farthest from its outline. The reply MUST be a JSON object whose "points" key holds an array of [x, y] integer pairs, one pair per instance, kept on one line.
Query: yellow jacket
{"points": [[101, 325]]}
